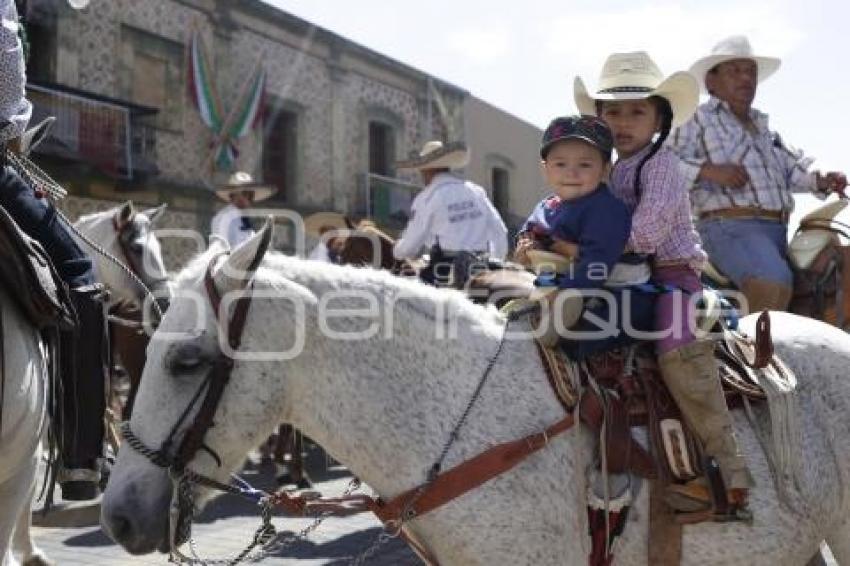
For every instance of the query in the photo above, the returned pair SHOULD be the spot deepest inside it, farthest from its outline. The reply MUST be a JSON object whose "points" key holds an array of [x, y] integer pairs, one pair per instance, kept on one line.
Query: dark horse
{"points": [[364, 244]]}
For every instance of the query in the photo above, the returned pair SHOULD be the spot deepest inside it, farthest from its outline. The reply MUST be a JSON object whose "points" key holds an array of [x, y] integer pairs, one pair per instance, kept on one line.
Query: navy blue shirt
{"points": [[598, 222]]}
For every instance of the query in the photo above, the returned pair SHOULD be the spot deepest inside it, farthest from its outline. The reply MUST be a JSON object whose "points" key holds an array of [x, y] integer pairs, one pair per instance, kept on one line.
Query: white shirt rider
{"points": [[228, 224], [457, 214]]}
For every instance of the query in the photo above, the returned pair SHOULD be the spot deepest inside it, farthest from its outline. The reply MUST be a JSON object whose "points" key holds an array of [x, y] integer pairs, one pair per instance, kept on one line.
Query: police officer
{"points": [[451, 216]]}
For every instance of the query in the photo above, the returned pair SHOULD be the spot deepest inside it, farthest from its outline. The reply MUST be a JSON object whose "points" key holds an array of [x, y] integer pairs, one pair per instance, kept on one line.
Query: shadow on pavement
{"points": [[262, 476], [95, 537], [346, 547]]}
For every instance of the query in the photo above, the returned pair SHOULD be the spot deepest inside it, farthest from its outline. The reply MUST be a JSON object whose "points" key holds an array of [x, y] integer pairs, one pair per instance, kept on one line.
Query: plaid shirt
{"points": [[661, 221], [715, 135]]}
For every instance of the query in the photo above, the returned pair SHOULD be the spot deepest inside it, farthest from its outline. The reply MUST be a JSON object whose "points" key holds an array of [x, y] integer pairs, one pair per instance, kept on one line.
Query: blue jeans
{"points": [[37, 217], [641, 317], [748, 249]]}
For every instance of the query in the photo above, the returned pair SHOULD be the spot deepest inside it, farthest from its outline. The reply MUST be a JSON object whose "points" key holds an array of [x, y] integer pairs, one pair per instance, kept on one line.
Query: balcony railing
{"points": [[385, 200], [104, 133]]}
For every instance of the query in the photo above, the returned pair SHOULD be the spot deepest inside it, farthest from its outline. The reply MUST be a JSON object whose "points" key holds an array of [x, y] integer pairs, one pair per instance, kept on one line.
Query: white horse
{"points": [[125, 234], [22, 421], [384, 404]]}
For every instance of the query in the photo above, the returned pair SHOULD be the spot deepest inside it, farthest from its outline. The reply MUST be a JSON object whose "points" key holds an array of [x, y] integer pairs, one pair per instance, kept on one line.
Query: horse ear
{"points": [[244, 260], [125, 213], [154, 213]]}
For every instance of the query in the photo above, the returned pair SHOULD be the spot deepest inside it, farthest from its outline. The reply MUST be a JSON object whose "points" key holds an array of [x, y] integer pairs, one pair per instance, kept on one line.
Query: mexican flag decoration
{"points": [[242, 117]]}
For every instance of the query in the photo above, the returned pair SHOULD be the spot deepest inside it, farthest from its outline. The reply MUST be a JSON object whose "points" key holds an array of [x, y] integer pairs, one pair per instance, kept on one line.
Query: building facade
{"points": [[505, 158], [336, 114]]}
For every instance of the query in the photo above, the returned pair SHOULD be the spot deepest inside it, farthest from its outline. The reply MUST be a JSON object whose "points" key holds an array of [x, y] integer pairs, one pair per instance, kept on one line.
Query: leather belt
{"points": [[746, 212]]}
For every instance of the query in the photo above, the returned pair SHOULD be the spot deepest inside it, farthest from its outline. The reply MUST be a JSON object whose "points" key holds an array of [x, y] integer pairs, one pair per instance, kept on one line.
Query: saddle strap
{"points": [[764, 343], [465, 476], [623, 453], [665, 533]]}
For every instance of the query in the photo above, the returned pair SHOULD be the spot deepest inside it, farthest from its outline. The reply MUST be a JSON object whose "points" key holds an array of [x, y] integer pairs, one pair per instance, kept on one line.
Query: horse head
{"points": [[126, 234], [191, 357]]}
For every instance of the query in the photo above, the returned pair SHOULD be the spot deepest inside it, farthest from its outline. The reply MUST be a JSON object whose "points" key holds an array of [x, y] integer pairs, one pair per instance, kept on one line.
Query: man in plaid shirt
{"points": [[742, 175]]}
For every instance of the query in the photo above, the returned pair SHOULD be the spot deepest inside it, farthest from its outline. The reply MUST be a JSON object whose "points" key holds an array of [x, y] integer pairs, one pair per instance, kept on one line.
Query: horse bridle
{"points": [[123, 235], [214, 384]]}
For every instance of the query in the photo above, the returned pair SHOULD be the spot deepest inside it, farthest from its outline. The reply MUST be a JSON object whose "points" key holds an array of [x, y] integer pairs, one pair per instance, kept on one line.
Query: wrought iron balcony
{"points": [[106, 133]]}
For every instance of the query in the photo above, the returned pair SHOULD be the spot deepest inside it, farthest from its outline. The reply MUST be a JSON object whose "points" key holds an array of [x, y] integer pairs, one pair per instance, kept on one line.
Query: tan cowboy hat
{"points": [[316, 223], [734, 47], [241, 181], [635, 76], [436, 155]]}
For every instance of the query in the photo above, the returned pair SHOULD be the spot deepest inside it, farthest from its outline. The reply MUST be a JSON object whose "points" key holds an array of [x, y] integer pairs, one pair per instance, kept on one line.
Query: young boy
{"points": [[582, 218]]}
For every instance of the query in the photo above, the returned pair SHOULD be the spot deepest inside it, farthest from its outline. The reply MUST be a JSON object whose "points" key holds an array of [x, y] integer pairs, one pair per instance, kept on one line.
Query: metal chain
{"points": [[266, 537], [379, 541]]}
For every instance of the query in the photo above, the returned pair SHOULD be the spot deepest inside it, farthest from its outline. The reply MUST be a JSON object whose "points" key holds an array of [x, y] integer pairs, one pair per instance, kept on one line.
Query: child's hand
{"points": [[565, 248], [524, 244]]}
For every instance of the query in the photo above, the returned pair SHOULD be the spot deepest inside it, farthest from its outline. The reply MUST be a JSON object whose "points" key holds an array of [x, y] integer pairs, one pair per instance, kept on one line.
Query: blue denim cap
{"points": [[588, 129]]}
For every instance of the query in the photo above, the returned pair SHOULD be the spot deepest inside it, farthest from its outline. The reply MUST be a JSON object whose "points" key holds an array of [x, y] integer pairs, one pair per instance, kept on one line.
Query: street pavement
{"points": [[225, 528], [71, 536]]}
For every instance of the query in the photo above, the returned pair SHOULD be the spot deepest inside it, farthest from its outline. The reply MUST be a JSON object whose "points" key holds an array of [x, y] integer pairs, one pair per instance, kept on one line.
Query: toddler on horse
{"points": [[584, 221]]}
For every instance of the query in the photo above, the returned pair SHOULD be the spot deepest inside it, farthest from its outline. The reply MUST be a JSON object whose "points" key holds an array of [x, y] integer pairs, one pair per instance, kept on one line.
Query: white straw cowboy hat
{"points": [[437, 155], [241, 181], [634, 76], [731, 48], [318, 222]]}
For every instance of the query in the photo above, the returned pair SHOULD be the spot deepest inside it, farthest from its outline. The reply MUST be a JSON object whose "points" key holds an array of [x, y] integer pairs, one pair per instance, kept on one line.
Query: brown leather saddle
{"points": [[500, 286], [819, 289], [623, 389], [31, 280]]}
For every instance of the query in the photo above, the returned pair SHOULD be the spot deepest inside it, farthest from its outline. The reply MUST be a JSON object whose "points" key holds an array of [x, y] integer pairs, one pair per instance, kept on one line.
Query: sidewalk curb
{"points": [[63, 515]]}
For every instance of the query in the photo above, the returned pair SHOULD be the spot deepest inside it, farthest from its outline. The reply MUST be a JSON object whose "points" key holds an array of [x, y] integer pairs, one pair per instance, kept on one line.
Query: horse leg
{"points": [[130, 346], [296, 465], [16, 495], [291, 442], [281, 445], [839, 543], [22, 544]]}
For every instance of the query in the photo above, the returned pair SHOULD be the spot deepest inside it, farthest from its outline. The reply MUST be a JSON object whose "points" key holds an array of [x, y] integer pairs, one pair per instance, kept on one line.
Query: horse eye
{"points": [[185, 365], [187, 359]]}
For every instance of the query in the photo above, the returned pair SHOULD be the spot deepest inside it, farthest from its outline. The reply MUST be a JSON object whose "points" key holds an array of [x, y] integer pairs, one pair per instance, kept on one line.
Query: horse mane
{"points": [[97, 225], [278, 271]]}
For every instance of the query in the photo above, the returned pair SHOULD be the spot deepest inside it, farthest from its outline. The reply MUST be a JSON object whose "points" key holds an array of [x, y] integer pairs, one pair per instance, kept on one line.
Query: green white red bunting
{"points": [[242, 117]]}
